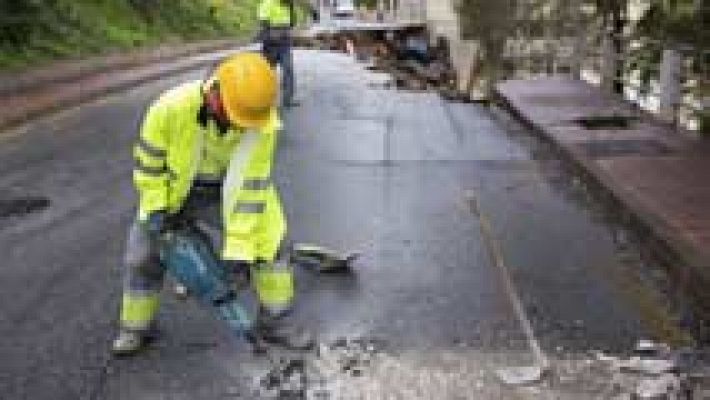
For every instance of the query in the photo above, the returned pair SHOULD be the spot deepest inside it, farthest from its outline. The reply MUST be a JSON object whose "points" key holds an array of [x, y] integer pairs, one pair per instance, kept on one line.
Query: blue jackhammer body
{"points": [[189, 258]]}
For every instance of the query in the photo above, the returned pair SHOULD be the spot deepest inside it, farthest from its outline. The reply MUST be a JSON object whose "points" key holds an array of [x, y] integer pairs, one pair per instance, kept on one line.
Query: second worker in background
{"points": [[277, 19]]}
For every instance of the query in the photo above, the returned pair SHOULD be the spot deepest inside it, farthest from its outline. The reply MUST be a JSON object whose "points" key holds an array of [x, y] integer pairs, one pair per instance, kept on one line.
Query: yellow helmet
{"points": [[247, 86]]}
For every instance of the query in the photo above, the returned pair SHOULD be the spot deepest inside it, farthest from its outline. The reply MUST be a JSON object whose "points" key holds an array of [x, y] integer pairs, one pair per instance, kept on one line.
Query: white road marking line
{"points": [[496, 254]]}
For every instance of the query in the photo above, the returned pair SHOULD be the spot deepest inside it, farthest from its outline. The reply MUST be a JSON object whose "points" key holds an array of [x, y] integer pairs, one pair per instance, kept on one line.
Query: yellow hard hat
{"points": [[248, 86]]}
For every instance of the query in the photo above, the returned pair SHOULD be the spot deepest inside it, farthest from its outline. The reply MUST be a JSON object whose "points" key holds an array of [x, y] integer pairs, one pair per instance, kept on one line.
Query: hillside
{"points": [[33, 30]]}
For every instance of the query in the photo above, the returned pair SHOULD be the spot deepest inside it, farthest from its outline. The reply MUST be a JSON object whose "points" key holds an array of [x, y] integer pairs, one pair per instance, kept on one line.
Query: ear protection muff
{"points": [[209, 82]]}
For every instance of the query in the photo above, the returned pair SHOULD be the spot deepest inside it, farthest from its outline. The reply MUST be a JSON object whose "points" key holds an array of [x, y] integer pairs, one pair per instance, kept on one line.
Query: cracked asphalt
{"points": [[387, 173]]}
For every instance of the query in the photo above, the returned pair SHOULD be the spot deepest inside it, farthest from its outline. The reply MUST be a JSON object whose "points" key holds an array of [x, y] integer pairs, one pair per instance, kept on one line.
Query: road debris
{"points": [[648, 371], [407, 55], [286, 380], [323, 259], [664, 387], [651, 370], [518, 376], [650, 348], [650, 366], [350, 357], [315, 376]]}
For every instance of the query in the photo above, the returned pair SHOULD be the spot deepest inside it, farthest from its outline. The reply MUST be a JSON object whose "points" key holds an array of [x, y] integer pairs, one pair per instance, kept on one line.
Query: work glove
{"points": [[240, 273], [155, 224]]}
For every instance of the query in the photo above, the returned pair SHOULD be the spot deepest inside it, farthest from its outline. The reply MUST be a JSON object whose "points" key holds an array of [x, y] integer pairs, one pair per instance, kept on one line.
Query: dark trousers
{"points": [[280, 54]]}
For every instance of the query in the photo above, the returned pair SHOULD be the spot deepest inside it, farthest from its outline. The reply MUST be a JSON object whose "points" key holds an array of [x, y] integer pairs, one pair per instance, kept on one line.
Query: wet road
{"points": [[361, 167]]}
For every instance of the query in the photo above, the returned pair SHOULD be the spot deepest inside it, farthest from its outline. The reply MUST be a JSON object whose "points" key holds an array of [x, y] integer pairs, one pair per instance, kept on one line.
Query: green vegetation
{"points": [[32, 30], [663, 24]]}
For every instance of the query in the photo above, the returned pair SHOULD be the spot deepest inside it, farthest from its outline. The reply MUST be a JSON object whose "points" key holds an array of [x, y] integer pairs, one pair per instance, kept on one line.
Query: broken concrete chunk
{"points": [[605, 358], [517, 376], [664, 387], [652, 349], [648, 366]]}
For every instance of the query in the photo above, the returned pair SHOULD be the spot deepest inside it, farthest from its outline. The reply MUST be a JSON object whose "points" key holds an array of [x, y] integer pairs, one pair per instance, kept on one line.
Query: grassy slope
{"points": [[36, 30]]}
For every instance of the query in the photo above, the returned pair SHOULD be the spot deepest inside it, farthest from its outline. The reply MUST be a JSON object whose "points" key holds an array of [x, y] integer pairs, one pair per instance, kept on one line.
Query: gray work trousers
{"points": [[144, 273]]}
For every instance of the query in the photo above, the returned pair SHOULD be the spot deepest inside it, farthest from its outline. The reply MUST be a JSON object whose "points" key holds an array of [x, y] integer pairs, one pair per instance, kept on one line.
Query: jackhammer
{"points": [[187, 253]]}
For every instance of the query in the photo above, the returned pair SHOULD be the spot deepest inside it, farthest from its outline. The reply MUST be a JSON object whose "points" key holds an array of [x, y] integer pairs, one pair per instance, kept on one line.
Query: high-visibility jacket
{"points": [[276, 13], [174, 148]]}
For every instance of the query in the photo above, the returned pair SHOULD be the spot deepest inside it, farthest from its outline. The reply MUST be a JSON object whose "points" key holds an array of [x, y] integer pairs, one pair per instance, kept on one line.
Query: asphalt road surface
{"points": [[429, 312]]}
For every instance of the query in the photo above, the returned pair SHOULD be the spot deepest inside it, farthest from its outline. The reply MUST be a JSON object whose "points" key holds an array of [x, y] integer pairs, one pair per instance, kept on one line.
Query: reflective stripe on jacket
{"points": [[173, 148]]}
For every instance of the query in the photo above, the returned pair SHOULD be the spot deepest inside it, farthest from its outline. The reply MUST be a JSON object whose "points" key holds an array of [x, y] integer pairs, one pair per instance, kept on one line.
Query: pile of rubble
{"points": [[413, 62], [318, 376], [415, 65], [652, 371], [362, 367]]}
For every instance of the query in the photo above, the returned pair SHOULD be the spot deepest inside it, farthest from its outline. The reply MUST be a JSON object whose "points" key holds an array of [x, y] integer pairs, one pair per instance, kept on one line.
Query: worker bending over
{"points": [[205, 153]]}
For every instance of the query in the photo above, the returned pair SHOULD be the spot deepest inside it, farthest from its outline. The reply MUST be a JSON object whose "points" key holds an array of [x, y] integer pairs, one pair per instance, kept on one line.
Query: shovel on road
{"points": [[323, 259]]}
